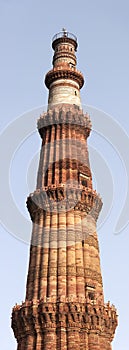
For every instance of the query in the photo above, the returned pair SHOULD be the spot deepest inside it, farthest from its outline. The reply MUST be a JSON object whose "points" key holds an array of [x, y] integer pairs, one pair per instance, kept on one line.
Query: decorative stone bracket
{"points": [[63, 73], [65, 114], [35, 316], [64, 198]]}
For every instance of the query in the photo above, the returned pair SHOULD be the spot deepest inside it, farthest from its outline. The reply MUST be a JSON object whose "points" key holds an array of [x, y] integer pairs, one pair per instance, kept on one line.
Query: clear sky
{"points": [[26, 30]]}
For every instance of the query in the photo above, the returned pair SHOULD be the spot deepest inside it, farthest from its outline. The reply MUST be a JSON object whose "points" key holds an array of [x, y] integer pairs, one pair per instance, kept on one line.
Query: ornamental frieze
{"points": [[91, 241], [93, 275]]}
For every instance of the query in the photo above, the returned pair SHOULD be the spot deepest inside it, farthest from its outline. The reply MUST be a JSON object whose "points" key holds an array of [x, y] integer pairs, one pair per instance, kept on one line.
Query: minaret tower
{"points": [[64, 81], [64, 306]]}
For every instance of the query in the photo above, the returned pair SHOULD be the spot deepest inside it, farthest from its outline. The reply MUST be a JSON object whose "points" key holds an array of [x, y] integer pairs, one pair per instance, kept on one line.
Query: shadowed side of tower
{"points": [[64, 307]]}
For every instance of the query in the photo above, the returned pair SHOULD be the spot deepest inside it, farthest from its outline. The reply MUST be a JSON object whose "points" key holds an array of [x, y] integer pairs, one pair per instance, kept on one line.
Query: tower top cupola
{"points": [[64, 81]]}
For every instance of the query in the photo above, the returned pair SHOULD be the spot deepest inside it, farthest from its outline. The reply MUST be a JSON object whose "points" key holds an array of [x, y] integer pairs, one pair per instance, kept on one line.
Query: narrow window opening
{"points": [[83, 180], [71, 65], [91, 296], [84, 183]]}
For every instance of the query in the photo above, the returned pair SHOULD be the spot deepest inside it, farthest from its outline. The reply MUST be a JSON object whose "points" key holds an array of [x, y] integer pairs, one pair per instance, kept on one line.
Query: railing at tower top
{"points": [[64, 34]]}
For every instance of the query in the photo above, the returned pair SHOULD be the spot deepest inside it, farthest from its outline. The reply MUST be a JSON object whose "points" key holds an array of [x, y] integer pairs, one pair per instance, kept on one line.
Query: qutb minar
{"points": [[64, 306]]}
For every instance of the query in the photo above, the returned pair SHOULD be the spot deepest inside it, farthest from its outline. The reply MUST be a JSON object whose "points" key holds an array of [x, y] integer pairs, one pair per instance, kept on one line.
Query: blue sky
{"points": [[26, 30]]}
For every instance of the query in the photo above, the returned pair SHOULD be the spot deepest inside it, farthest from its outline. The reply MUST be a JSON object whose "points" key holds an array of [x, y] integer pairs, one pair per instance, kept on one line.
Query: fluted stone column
{"points": [[71, 262], [45, 256], [80, 282], [52, 260], [62, 255]]}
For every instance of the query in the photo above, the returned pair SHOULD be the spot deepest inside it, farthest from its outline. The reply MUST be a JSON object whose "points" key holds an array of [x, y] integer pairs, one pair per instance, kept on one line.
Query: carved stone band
{"points": [[38, 315], [66, 73], [65, 114], [59, 198]]}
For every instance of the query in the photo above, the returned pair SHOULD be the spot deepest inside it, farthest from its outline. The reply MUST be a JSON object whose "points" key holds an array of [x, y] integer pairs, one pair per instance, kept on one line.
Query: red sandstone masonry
{"points": [[64, 263], [64, 307]]}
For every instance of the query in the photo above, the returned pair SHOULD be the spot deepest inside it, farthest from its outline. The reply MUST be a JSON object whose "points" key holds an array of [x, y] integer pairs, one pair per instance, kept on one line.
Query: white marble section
{"points": [[63, 91]]}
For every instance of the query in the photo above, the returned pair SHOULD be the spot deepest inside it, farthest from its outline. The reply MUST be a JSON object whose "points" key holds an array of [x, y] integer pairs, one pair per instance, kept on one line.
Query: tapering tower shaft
{"points": [[64, 307], [64, 192]]}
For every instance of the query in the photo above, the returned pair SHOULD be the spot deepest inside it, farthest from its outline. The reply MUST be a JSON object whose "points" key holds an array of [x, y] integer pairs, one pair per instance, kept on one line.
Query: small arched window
{"points": [[83, 180]]}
